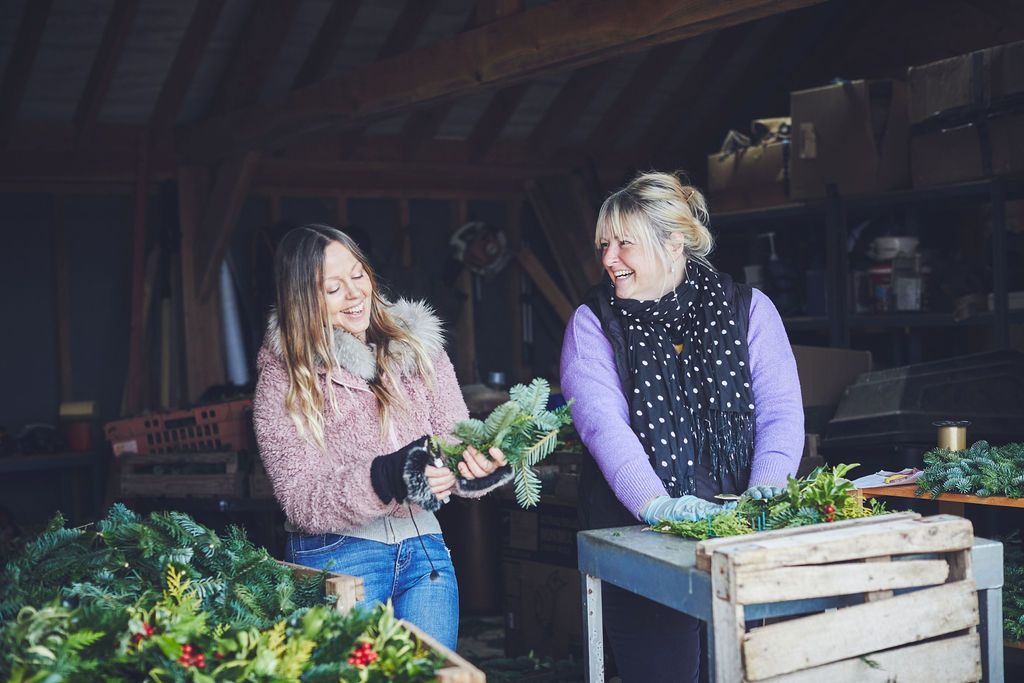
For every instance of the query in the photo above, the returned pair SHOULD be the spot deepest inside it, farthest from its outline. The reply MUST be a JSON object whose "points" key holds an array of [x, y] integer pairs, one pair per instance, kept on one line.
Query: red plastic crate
{"points": [[215, 427]]}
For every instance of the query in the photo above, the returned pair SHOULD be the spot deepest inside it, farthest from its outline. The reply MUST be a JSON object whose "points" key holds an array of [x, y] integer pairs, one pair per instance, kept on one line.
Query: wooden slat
{"points": [[328, 42], [951, 660], [815, 581], [565, 110], [348, 589], [219, 218], [115, 36], [814, 640], [186, 62], [706, 548], [253, 55], [908, 492], [728, 621], [556, 36], [19, 64], [545, 283], [488, 11], [940, 533], [456, 669]]}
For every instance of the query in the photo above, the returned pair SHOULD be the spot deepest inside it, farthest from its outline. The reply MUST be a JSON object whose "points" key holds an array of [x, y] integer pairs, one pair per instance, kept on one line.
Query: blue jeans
{"points": [[400, 573]]}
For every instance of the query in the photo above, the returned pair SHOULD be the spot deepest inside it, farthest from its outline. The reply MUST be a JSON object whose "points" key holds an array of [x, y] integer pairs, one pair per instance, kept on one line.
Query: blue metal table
{"points": [[663, 568]]}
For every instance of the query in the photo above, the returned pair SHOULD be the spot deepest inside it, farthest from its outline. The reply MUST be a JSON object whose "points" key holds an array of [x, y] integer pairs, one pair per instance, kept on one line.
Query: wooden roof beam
{"points": [[560, 35], [115, 35], [19, 64], [490, 124], [186, 62], [253, 55], [327, 43]]}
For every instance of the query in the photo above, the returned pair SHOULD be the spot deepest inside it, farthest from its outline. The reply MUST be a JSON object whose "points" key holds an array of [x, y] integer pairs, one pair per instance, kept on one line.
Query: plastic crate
{"points": [[215, 427]]}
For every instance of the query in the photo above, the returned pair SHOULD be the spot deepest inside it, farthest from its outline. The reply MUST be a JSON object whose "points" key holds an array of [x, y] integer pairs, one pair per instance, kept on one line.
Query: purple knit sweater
{"points": [[601, 414]]}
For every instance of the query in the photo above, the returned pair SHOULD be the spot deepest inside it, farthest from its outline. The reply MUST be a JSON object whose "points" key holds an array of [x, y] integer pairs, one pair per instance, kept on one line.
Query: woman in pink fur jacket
{"points": [[349, 388]]}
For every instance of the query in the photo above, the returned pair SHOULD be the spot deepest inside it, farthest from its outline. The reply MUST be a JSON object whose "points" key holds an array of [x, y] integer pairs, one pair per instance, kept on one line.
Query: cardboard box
{"points": [[749, 177], [852, 134], [543, 609], [974, 81], [992, 146], [824, 374]]}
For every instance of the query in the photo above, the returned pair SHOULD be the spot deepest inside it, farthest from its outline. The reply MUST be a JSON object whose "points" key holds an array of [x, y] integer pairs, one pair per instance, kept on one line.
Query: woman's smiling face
{"points": [[636, 272], [348, 290]]}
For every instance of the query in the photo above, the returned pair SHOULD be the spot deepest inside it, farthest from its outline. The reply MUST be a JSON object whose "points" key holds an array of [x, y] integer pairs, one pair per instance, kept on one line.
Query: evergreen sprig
{"points": [[824, 495], [522, 427], [981, 470]]}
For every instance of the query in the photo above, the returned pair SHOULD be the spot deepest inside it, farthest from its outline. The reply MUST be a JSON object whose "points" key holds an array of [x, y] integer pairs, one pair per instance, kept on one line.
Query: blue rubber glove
{"points": [[763, 492], [684, 508]]}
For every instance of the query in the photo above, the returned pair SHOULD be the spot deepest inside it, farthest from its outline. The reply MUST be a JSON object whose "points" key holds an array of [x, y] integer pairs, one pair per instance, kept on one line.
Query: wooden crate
{"points": [[167, 474], [259, 482], [349, 590], [925, 633]]}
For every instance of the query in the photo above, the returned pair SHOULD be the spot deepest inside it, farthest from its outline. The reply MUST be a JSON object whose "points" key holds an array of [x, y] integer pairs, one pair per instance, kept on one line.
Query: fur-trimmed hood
{"points": [[416, 317]]}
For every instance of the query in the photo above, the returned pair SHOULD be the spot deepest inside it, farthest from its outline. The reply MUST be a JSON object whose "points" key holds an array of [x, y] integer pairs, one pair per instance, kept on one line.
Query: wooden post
{"points": [[137, 335], [465, 359], [204, 360]]}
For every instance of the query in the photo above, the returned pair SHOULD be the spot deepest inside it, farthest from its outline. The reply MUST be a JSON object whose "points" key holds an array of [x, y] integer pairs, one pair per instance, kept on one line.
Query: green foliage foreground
{"points": [[167, 599]]}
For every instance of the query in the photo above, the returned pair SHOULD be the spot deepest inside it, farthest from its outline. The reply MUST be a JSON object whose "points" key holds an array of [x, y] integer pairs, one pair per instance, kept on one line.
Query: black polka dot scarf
{"points": [[696, 404]]}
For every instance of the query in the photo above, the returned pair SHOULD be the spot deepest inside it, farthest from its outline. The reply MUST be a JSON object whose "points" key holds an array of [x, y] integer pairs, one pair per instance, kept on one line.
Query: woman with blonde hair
{"points": [[350, 387], [685, 387]]}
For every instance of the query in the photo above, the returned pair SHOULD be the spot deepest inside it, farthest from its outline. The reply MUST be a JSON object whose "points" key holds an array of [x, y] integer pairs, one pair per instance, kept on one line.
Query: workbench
{"points": [[63, 466], [662, 567]]}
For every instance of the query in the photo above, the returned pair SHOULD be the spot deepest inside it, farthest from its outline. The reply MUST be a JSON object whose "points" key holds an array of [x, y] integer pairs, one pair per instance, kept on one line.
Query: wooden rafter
{"points": [[19, 64], [560, 35], [640, 87], [186, 62], [253, 55], [490, 124], [327, 43], [400, 38], [115, 36], [565, 110]]}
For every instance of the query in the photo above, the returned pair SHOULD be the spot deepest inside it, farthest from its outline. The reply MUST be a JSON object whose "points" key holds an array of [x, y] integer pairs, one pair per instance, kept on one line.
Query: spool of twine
{"points": [[952, 434]]}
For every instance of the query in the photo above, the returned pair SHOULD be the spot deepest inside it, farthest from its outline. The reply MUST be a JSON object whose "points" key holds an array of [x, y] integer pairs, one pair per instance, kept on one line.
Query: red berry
{"points": [[218, 655], [186, 649], [829, 509], [831, 518], [351, 661]]}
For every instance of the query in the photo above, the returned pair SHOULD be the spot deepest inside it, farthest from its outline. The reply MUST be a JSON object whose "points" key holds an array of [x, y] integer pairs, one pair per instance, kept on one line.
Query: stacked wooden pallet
{"points": [[916, 621]]}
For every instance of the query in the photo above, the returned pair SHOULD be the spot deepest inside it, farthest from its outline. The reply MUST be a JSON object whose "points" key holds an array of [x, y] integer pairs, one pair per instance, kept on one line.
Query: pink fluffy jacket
{"points": [[331, 492]]}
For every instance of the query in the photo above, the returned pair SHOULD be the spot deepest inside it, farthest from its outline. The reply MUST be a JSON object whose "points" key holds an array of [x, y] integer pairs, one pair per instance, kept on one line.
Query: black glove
{"points": [[484, 484], [402, 475]]}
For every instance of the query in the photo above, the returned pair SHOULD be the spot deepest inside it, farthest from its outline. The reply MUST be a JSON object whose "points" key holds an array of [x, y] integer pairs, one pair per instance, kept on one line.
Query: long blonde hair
{"points": [[652, 208], [307, 335]]}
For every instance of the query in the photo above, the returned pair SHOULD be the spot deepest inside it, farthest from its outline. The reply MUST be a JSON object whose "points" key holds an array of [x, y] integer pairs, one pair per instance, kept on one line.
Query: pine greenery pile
{"points": [[824, 495], [522, 427], [981, 470], [167, 599]]}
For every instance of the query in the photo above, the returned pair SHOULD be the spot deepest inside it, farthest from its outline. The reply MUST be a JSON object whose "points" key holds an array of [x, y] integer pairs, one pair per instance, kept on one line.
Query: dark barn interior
{"points": [[152, 152]]}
